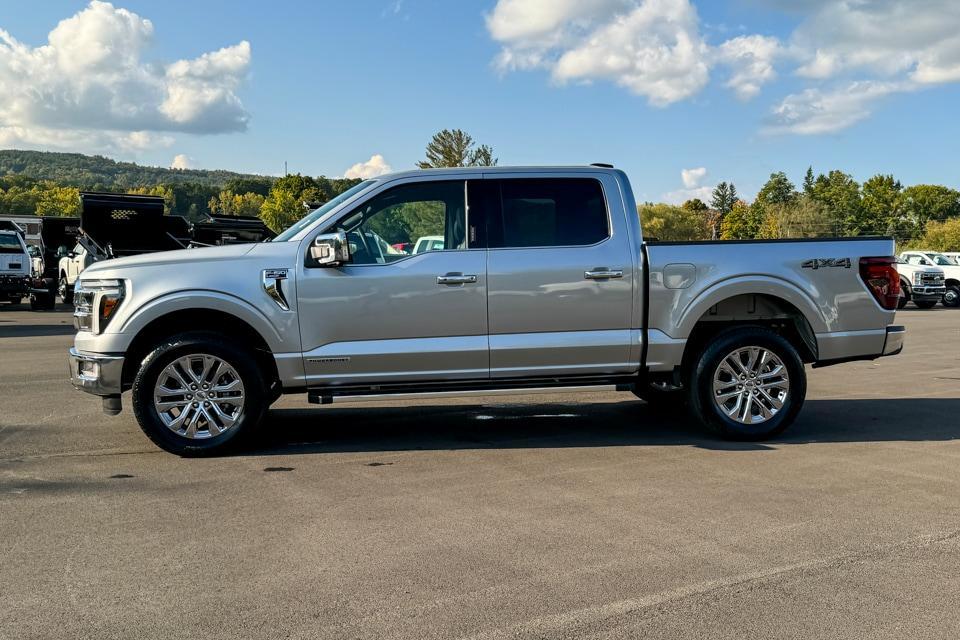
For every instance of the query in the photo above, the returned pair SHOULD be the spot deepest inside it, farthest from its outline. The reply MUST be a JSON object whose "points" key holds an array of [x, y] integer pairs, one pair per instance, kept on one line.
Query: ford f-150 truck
{"points": [[543, 281]]}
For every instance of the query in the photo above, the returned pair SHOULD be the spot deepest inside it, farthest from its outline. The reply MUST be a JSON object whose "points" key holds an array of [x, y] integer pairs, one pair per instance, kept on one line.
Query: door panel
{"points": [[559, 310], [394, 322]]}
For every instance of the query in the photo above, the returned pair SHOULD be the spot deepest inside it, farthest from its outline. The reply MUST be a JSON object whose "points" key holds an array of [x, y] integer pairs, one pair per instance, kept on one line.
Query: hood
{"points": [[182, 257]]}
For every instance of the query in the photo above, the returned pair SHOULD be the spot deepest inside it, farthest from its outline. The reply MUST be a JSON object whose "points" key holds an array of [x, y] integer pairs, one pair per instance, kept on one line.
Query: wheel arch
{"points": [[175, 321]]}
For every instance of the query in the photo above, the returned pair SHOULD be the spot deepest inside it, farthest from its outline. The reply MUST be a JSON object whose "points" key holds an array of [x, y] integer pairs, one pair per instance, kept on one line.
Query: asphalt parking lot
{"points": [[567, 516]]}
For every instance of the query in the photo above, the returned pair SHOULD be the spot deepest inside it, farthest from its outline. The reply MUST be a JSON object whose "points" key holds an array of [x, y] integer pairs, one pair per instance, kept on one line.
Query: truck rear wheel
{"points": [[748, 384], [952, 297], [198, 394]]}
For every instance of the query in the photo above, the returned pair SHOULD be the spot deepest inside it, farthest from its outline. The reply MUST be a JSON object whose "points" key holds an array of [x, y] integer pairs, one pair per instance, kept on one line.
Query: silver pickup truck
{"points": [[543, 280]]}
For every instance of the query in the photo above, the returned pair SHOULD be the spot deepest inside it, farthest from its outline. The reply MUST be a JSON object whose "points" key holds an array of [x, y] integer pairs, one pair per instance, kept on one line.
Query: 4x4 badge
{"points": [[820, 263]]}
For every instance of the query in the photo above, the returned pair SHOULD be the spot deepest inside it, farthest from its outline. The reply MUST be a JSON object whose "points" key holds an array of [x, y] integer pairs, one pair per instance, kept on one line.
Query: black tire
{"points": [[256, 393], [700, 393], [925, 304], [65, 290], [904, 295], [952, 297], [41, 302]]}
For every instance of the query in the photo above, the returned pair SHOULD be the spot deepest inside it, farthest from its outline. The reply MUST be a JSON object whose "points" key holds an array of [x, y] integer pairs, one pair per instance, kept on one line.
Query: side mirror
{"points": [[330, 249], [71, 255]]}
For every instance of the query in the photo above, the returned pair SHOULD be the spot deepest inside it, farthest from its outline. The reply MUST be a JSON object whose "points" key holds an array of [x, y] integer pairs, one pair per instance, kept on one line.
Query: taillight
{"points": [[882, 279]]}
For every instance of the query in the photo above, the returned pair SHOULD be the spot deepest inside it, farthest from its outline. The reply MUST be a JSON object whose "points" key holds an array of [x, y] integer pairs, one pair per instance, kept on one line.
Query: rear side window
{"points": [[549, 212]]}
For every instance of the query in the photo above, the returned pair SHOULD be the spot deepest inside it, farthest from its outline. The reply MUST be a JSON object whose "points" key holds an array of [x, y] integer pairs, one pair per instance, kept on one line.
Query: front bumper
{"points": [[98, 374], [927, 293], [894, 342]]}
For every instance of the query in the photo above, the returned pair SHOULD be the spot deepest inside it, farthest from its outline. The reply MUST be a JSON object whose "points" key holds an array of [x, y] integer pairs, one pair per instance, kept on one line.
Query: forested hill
{"points": [[98, 172]]}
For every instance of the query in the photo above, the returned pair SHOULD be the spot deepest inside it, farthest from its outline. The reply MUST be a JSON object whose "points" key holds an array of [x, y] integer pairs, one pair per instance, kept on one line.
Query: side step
{"points": [[328, 397]]}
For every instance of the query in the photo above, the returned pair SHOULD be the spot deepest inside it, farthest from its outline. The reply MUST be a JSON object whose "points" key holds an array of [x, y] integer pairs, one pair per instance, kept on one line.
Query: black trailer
{"points": [[123, 224], [224, 230]]}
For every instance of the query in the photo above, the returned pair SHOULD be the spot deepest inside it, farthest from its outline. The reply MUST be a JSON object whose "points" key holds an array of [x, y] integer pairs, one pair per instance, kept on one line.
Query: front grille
{"points": [[931, 279]]}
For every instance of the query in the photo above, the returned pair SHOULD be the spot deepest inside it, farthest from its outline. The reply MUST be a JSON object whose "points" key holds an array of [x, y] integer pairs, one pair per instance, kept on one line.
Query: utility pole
{"points": [[285, 168]]}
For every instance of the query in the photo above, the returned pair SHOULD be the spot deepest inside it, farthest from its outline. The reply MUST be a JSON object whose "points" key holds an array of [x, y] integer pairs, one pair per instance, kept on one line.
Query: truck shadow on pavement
{"points": [[35, 330], [377, 428]]}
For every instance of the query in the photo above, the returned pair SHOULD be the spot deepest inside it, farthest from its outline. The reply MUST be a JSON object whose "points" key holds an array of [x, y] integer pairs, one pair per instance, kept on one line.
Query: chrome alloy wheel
{"points": [[750, 385], [198, 396]]}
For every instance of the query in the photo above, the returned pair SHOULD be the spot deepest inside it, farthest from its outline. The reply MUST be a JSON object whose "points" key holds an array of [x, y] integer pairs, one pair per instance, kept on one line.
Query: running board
{"points": [[325, 397]]}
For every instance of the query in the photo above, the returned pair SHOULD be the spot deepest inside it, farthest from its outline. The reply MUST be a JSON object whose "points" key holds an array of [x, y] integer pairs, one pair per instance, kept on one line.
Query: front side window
{"points": [[551, 212], [10, 243], [410, 219]]}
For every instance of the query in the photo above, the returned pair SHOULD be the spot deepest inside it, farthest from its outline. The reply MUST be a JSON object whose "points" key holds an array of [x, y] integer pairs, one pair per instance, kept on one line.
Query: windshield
{"points": [[10, 243], [316, 214], [940, 259]]}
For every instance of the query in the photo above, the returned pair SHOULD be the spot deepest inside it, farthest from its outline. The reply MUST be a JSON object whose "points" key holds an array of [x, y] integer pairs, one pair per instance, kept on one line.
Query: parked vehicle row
{"points": [[547, 283]]}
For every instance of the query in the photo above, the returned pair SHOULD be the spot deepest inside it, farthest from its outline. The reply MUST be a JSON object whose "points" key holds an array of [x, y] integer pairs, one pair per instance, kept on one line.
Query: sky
{"points": [[681, 94]]}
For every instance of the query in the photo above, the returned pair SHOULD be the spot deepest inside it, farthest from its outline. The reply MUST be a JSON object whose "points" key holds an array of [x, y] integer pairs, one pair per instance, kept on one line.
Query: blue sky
{"points": [[739, 88]]}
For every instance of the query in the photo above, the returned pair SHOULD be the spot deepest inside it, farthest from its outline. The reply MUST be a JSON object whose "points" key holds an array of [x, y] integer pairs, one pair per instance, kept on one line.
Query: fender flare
{"points": [[206, 300], [686, 318]]}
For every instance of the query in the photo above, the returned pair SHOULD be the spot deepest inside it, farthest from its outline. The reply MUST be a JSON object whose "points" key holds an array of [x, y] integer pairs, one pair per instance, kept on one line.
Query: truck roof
{"points": [[498, 169]]}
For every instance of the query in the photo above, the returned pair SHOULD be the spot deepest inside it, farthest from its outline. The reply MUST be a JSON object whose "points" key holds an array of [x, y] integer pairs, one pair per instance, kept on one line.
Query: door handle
{"points": [[456, 278], [603, 274]]}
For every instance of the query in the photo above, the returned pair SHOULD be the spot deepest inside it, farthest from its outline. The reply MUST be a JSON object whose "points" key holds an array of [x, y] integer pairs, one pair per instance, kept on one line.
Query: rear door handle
{"points": [[603, 274], [456, 278]]}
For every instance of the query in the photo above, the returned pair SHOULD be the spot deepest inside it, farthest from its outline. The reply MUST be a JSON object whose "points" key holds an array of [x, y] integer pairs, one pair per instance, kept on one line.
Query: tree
{"points": [[929, 202], [695, 204], [281, 209], [777, 190], [724, 197], [840, 194], [804, 217], [59, 201], [942, 236], [228, 203], [667, 222], [741, 223], [808, 182], [456, 149], [881, 205]]}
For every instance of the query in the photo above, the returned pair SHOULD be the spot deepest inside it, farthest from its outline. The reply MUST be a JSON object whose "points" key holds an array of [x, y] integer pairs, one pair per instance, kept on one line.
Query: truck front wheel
{"points": [[198, 394], [65, 290], [747, 384]]}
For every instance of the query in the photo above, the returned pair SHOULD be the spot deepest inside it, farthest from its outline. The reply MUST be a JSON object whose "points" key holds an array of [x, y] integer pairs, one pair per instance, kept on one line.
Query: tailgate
{"points": [[14, 264]]}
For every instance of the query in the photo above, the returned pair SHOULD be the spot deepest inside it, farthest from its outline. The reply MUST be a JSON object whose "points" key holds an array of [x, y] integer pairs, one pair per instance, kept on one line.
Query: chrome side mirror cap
{"points": [[330, 249]]}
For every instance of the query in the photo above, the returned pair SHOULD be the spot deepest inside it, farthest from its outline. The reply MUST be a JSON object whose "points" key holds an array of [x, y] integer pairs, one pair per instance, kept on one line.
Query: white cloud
{"points": [[375, 166], [182, 161], [918, 39], [751, 60], [692, 177], [89, 89], [814, 111], [653, 48]]}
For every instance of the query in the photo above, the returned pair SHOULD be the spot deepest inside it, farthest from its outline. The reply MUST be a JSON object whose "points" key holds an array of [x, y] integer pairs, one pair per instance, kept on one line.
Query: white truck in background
{"points": [[922, 284], [950, 269]]}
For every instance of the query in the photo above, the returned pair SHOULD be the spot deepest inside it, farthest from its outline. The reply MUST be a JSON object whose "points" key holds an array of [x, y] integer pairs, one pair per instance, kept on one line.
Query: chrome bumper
{"points": [[894, 342], [98, 374]]}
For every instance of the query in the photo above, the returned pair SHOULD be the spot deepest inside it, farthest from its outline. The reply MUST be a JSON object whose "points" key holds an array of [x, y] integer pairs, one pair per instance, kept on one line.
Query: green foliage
{"points": [[803, 217], [777, 190], [456, 149], [695, 204], [923, 203], [808, 182], [59, 201], [667, 222], [281, 209], [742, 222], [840, 194], [881, 206], [228, 203], [942, 236], [724, 197]]}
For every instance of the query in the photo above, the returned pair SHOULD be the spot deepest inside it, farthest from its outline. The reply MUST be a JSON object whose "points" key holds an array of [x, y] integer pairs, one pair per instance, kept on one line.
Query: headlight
{"points": [[918, 277], [95, 303]]}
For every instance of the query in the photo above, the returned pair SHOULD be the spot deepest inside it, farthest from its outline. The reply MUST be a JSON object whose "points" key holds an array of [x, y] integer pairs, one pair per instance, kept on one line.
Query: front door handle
{"points": [[456, 278], [603, 274]]}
